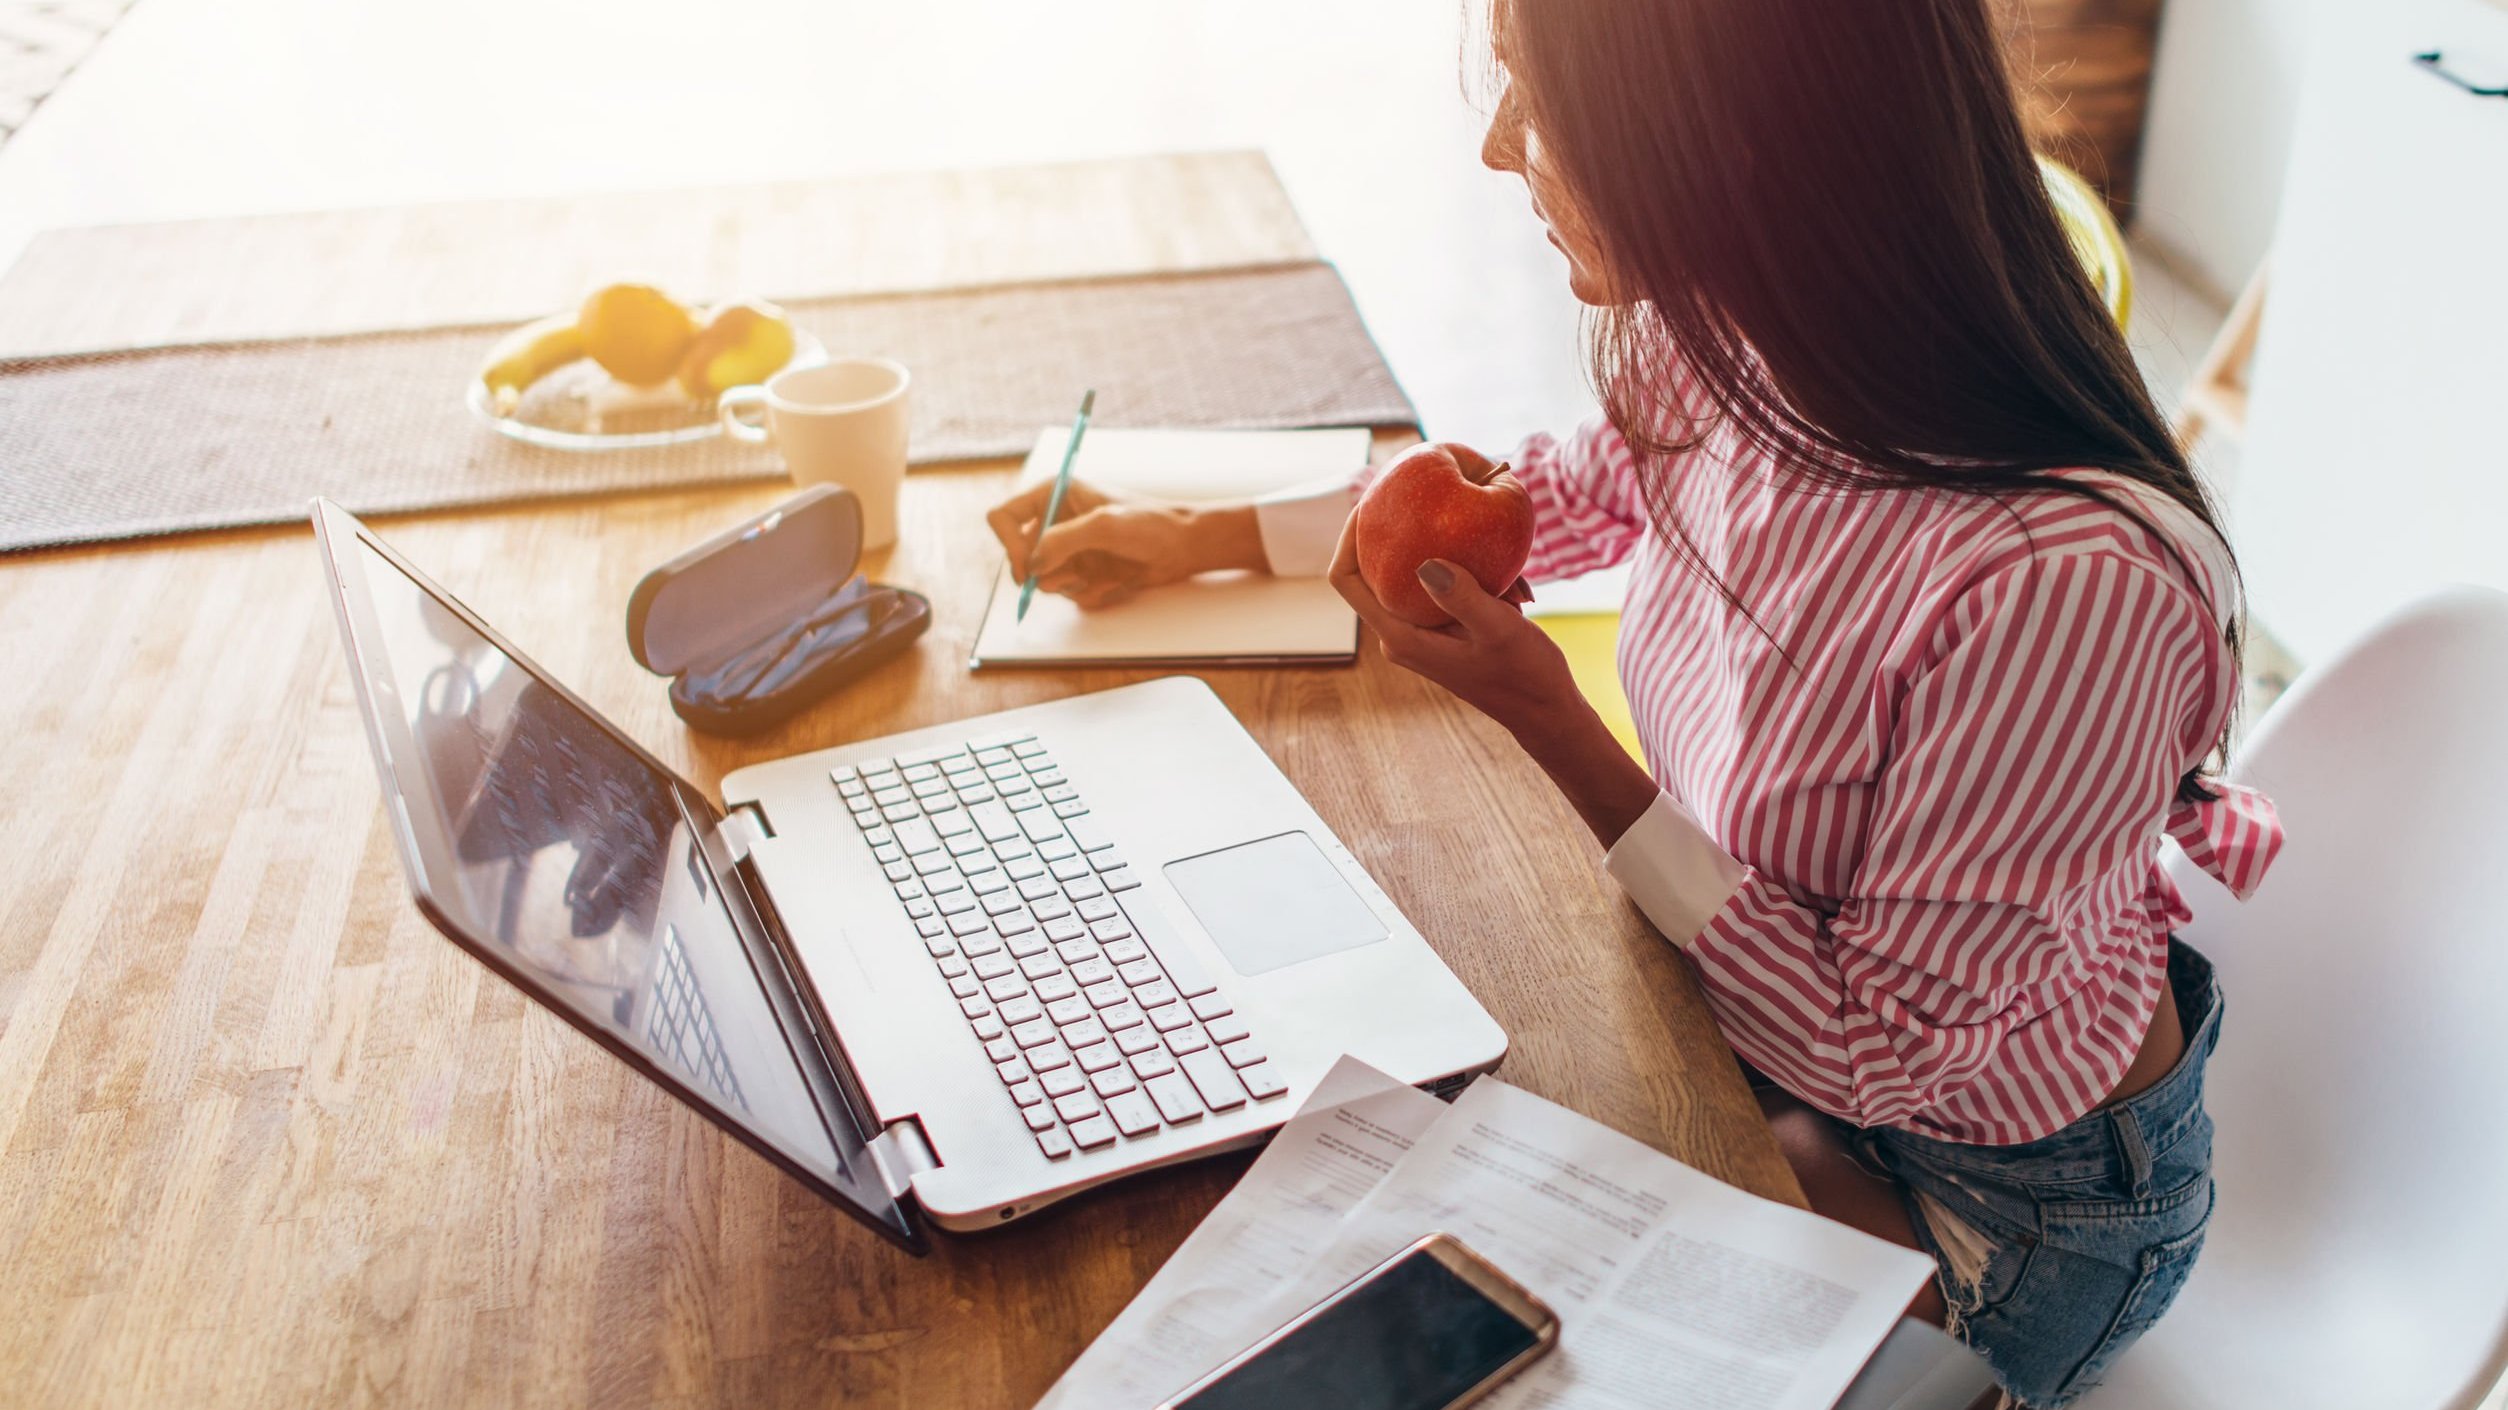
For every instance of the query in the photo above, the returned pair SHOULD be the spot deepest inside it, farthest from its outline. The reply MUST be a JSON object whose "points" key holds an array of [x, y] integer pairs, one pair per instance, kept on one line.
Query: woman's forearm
{"points": [[1221, 537], [1608, 789]]}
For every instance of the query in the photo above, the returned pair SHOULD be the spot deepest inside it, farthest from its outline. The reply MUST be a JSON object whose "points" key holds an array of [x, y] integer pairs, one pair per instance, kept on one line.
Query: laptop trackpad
{"points": [[1274, 903]]}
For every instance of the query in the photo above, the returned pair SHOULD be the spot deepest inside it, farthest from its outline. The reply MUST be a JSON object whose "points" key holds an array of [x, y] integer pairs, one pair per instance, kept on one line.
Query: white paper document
{"points": [[1673, 1288], [1215, 617], [1197, 1311]]}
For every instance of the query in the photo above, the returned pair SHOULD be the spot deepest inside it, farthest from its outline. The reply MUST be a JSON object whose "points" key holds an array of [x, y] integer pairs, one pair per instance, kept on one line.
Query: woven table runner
{"points": [[173, 440]]}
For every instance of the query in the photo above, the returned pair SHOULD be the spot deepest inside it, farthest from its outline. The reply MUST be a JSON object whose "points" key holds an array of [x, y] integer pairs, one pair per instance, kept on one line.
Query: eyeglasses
{"points": [[852, 613]]}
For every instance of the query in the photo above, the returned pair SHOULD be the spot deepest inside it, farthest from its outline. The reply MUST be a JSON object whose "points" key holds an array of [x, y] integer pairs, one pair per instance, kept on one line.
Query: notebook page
{"points": [[1200, 467], [1217, 616]]}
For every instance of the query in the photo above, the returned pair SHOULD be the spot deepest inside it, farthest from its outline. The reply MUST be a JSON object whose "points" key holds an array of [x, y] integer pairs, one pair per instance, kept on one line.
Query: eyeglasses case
{"points": [[768, 618]]}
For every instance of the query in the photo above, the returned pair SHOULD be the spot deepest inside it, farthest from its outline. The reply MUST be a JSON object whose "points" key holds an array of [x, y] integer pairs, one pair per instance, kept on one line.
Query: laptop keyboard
{"points": [[1100, 1025]]}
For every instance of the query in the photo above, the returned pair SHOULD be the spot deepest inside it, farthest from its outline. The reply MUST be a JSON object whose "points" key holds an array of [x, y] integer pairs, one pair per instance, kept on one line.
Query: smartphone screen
{"points": [[1414, 1337]]}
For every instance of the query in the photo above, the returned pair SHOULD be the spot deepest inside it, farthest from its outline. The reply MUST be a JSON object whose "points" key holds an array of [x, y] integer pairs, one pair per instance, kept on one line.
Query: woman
{"points": [[1929, 630]]}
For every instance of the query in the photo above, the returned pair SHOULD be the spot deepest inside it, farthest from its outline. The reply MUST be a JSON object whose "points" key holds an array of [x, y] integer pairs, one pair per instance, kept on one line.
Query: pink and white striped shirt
{"points": [[1916, 867]]}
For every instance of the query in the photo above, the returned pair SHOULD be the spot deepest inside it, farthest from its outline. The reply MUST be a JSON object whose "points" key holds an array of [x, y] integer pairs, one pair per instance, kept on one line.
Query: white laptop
{"points": [[957, 973]]}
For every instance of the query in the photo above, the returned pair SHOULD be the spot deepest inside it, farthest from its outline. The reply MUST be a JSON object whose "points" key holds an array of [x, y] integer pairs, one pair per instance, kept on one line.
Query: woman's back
{"points": [[1942, 733]]}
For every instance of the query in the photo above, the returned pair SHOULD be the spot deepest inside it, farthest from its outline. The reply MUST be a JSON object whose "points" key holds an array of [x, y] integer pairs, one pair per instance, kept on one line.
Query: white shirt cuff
{"points": [[1673, 870], [1301, 525]]}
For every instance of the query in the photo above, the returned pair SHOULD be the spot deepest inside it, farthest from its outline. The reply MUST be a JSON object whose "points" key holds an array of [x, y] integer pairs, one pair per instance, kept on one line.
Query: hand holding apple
{"points": [[1444, 501], [1492, 657], [1480, 646]]}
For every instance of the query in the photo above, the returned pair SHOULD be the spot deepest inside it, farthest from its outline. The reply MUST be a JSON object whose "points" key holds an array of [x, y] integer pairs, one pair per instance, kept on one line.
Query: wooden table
{"points": [[266, 1139]]}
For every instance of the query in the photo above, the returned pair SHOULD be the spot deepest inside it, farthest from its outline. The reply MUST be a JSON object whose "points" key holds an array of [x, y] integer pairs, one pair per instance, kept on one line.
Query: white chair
{"points": [[2358, 1258]]}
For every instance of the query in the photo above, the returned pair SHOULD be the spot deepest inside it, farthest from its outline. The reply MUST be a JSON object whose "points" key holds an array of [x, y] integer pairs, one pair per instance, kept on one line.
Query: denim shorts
{"points": [[2057, 1253]]}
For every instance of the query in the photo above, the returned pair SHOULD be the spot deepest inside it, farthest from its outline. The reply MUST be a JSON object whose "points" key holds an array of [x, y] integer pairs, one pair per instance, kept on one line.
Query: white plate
{"points": [[581, 407]]}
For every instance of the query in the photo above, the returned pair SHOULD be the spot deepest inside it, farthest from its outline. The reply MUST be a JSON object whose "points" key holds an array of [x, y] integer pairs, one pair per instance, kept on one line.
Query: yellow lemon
{"points": [[636, 332], [742, 343]]}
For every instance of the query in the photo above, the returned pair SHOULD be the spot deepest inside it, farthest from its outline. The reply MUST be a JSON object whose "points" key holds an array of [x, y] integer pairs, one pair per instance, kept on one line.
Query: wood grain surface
{"points": [[357, 271], [267, 1140]]}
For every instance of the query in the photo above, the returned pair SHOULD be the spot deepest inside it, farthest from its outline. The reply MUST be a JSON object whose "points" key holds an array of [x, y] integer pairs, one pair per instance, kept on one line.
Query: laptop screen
{"points": [[559, 853]]}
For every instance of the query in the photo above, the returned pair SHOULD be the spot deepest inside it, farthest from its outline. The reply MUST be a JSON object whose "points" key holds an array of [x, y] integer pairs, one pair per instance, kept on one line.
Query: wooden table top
{"points": [[267, 1139]]}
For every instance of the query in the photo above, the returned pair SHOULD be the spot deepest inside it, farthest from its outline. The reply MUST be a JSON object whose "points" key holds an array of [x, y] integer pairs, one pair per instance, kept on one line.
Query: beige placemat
{"points": [[171, 440]]}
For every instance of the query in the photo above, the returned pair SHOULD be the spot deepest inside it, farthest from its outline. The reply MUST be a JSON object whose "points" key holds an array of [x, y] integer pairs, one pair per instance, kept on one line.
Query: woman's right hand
{"points": [[1103, 550]]}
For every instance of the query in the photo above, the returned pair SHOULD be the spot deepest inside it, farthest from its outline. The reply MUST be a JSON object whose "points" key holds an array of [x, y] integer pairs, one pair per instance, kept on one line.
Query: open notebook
{"points": [[1247, 618]]}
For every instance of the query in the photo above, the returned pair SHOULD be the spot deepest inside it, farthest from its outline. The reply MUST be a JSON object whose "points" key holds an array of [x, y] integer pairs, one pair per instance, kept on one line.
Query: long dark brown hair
{"points": [[1828, 216]]}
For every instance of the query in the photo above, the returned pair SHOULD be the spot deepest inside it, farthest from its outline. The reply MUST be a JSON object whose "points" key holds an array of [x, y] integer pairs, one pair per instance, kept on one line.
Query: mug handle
{"points": [[729, 407]]}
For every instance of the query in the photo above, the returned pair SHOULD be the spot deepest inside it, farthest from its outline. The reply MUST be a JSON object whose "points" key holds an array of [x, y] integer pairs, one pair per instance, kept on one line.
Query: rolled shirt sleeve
{"points": [[1588, 511], [1301, 525]]}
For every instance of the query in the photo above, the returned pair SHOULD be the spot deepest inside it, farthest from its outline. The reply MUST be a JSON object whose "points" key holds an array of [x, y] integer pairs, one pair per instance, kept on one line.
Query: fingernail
{"points": [[1435, 576]]}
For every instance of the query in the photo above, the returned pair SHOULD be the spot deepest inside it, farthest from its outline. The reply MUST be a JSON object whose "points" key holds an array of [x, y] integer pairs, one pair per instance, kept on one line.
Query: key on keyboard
{"points": [[1100, 1023]]}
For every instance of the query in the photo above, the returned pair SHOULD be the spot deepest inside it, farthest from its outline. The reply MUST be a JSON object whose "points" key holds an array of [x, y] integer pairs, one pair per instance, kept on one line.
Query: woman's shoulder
{"points": [[1975, 540]]}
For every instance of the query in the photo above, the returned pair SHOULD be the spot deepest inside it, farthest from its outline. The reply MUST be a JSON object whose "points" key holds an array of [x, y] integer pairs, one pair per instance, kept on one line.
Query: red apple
{"points": [[1447, 501]]}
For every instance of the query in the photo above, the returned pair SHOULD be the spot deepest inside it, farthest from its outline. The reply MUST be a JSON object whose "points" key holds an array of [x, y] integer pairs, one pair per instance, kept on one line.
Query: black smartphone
{"points": [[1434, 1327]]}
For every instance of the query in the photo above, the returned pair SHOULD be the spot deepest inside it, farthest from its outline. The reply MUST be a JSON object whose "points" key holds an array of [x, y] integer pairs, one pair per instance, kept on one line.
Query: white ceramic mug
{"points": [[841, 423]]}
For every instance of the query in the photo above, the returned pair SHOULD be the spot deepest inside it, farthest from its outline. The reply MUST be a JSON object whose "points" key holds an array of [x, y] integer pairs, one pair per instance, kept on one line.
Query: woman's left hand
{"points": [[1500, 662], [1491, 654]]}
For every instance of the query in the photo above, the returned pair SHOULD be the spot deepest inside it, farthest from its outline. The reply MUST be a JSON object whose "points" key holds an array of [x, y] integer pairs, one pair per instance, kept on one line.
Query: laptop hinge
{"points": [[900, 1152], [743, 828]]}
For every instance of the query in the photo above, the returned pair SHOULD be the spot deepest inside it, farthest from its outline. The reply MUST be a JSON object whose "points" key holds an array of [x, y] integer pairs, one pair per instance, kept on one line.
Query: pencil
{"points": [[1053, 503]]}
